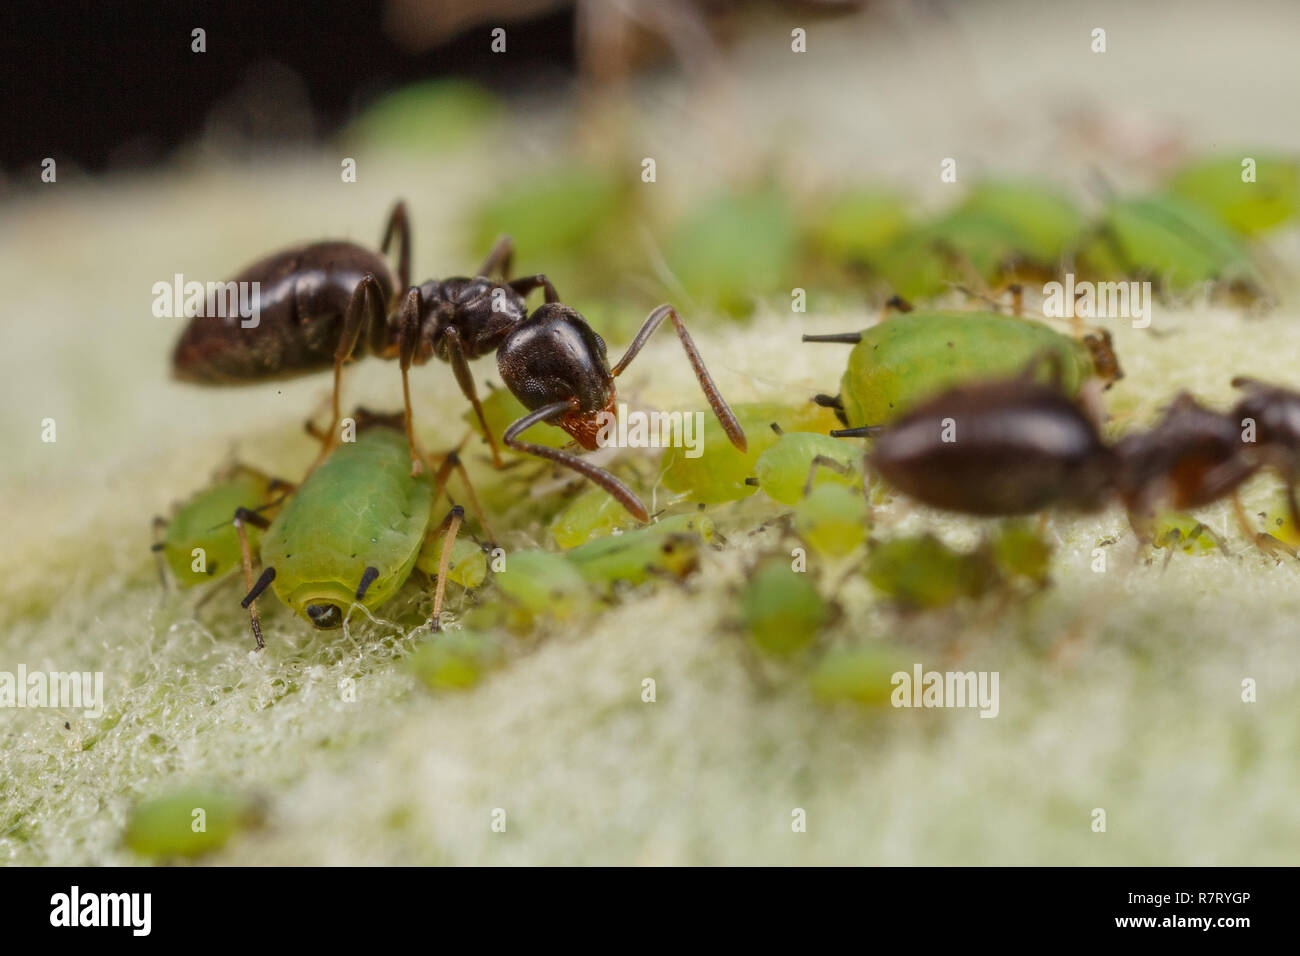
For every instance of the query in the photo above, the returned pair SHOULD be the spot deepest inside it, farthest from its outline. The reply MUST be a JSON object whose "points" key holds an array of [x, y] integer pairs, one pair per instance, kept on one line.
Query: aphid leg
{"points": [[895, 303], [212, 592], [365, 310], [1217, 539], [719, 405], [450, 524], [159, 525], [1105, 363], [1172, 541], [528, 283], [399, 227], [408, 323], [1055, 368], [1017, 298], [822, 461], [451, 462], [1275, 547], [499, 258], [598, 476], [1248, 529], [465, 379], [244, 516]]}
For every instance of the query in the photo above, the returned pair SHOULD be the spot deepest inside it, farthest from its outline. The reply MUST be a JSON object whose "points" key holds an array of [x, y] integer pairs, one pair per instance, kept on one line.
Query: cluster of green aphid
{"points": [[330, 560], [330, 556], [726, 251]]}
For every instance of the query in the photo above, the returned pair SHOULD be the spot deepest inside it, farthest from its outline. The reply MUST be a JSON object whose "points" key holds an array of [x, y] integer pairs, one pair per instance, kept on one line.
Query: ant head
{"points": [[481, 311], [1274, 409], [555, 356], [1186, 457]]}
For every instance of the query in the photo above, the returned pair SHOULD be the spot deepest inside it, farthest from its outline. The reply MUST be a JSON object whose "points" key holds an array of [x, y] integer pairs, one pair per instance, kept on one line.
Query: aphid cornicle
{"points": [[353, 531]]}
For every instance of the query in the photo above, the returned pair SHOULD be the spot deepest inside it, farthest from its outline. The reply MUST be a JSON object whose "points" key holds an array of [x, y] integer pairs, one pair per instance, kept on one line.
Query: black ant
{"points": [[323, 303], [1015, 447]]}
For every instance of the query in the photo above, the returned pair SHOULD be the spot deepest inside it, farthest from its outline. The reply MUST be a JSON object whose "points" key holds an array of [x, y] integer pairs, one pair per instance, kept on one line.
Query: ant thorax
{"points": [[481, 313]]}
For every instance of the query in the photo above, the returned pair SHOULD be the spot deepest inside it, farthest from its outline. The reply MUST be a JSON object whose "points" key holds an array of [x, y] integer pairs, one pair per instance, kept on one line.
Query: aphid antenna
{"points": [[862, 431], [841, 338], [451, 524]]}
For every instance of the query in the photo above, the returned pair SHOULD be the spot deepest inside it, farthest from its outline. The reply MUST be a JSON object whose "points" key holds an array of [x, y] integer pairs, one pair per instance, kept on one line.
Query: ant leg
{"points": [[451, 524], [599, 476], [528, 283], [399, 225], [255, 589], [452, 463], [716, 401], [408, 324], [499, 258], [159, 524], [465, 379], [365, 309]]}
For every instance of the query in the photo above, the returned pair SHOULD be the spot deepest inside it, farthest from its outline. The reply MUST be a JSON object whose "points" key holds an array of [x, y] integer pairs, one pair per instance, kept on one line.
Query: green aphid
{"points": [[720, 473], [189, 823], [456, 659], [781, 608], [1019, 551], [543, 584], [1043, 219], [467, 565], [922, 572], [352, 532], [1173, 529], [832, 519], [734, 248], [1216, 185], [668, 548], [1169, 241], [436, 115], [783, 470], [591, 514], [858, 225], [200, 541], [915, 355], [967, 246], [857, 675]]}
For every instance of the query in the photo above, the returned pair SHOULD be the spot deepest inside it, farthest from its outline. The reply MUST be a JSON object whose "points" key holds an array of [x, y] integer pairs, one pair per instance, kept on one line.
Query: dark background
{"points": [[104, 85]]}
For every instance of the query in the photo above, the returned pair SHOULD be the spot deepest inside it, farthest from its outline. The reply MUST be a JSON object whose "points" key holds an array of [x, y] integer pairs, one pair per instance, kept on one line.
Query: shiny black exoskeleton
{"points": [[325, 303]]}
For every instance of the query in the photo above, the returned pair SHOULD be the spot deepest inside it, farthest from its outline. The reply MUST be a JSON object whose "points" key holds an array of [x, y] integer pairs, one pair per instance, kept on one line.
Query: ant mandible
{"points": [[323, 303]]}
